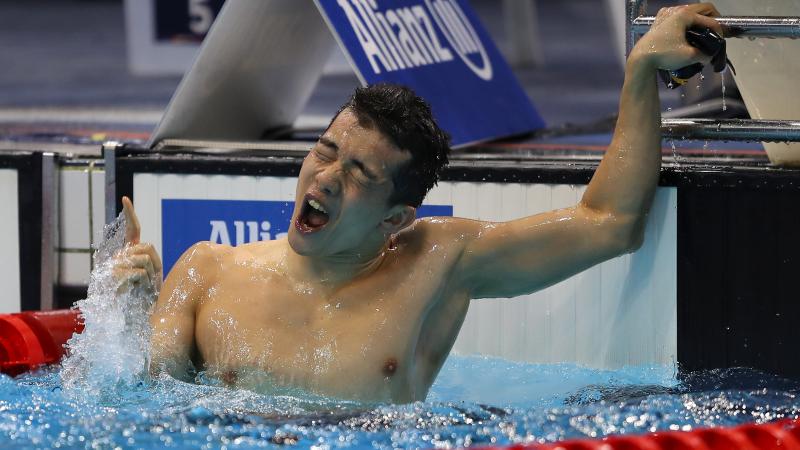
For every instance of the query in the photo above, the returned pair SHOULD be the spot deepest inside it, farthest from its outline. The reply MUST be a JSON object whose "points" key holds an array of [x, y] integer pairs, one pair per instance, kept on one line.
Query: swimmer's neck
{"points": [[341, 268]]}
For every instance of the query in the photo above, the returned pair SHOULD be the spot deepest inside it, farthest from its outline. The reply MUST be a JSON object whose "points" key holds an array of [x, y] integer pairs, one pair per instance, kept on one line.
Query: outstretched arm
{"points": [[522, 256]]}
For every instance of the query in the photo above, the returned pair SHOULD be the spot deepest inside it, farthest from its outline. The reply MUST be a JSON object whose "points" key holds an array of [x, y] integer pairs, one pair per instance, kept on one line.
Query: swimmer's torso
{"points": [[381, 337]]}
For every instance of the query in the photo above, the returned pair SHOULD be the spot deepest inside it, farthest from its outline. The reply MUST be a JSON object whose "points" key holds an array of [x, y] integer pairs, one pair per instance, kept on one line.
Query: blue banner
{"points": [[232, 222], [439, 49]]}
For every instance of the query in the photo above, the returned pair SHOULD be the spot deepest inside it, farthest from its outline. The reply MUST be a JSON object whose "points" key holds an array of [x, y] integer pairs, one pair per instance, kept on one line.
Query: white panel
{"points": [[75, 232], [440, 195], [664, 283], [269, 188], [74, 268], [10, 301], [235, 188], [219, 187], [288, 188], [73, 218], [148, 207]]}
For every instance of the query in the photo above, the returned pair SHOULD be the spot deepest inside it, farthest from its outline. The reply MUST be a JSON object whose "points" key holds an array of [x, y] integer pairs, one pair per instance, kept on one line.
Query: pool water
{"points": [[474, 401]]}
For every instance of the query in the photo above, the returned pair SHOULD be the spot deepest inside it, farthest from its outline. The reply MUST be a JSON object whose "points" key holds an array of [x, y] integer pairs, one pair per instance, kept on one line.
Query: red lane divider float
{"points": [[35, 338], [780, 435]]}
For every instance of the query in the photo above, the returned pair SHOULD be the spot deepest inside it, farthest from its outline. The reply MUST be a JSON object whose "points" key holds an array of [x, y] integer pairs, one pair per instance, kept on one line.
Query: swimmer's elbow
{"points": [[613, 234], [626, 235]]}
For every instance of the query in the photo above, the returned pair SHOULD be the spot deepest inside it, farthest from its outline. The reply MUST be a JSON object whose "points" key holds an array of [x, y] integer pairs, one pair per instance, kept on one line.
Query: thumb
{"points": [[132, 229]]}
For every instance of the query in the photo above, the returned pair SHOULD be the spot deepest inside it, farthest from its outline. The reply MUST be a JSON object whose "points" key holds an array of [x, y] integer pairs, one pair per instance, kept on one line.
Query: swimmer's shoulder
{"points": [[188, 280], [262, 251], [253, 256], [205, 252], [439, 231], [201, 261]]}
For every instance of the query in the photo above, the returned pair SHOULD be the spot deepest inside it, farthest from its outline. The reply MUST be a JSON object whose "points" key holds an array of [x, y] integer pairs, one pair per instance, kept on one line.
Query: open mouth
{"points": [[313, 216]]}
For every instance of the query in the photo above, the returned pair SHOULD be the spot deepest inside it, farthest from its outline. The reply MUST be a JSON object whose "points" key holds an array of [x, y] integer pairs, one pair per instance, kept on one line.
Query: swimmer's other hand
{"points": [[138, 263]]}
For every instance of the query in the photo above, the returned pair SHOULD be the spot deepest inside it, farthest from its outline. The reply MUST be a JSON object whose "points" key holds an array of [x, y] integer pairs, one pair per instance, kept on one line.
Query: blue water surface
{"points": [[475, 400]]}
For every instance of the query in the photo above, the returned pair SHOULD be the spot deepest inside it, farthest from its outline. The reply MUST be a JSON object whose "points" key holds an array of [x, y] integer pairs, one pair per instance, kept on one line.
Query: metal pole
{"points": [[49, 252], [742, 26], [109, 163], [633, 9], [732, 129]]}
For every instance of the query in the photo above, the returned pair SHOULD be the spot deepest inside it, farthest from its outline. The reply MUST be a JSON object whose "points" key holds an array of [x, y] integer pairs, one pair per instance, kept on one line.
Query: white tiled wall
{"points": [[9, 242], [617, 313], [75, 233]]}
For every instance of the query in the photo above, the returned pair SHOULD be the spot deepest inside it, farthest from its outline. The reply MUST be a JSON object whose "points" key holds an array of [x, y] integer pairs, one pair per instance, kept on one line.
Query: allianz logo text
{"points": [[406, 38], [243, 232]]}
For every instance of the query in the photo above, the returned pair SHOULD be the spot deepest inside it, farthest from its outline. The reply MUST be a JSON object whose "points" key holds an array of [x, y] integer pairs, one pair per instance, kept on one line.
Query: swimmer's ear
{"points": [[399, 217]]}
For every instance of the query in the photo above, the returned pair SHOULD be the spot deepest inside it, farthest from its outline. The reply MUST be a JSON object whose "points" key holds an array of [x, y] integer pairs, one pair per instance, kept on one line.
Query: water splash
{"points": [[722, 80], [112, 352], [674, 151]]}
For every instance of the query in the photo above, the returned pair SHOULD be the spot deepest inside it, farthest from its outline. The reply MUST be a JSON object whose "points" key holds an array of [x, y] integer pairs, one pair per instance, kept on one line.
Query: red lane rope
{"points": [[780, 435], [35, 338]]}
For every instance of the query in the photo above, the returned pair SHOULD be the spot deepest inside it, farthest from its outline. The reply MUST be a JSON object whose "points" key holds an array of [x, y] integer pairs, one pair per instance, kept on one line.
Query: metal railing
{"points": [[712, 129]]}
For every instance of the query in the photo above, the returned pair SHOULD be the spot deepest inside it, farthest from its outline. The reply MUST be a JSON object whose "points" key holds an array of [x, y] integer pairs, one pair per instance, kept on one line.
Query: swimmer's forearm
{"points": [[625, 181]]}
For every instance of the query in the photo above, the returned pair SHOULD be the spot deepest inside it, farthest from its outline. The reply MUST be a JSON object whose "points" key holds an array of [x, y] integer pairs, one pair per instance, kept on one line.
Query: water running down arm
{"points": [[522, 256]]}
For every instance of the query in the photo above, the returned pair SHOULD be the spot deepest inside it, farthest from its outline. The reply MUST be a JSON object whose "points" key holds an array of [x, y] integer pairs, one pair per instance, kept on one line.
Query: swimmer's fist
{"points": [[138, 264], [665, 46]]}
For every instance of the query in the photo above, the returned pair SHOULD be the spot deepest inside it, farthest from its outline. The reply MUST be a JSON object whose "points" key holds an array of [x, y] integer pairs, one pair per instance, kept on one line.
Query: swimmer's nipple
{"points": [[390, 367]]}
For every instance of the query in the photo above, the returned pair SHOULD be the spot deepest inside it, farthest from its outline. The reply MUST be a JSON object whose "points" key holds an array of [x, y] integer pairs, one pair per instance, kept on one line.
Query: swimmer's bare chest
{"points": [[369, 340]]}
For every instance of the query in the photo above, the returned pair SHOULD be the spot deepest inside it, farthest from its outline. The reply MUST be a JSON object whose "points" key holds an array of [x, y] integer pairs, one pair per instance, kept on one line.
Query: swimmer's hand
{"points": [[665, 45], [138, 263]]}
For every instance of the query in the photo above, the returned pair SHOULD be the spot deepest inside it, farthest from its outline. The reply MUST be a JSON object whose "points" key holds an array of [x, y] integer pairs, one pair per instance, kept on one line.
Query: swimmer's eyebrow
{"points": [[363, 168]]}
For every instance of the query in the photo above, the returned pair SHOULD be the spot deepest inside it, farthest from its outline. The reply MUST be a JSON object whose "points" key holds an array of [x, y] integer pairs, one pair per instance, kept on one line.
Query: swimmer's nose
{"points": [[329, 180]]}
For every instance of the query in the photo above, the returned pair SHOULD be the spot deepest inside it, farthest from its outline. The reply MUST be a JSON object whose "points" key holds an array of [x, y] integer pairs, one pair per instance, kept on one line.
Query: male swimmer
{"points": [[362, 301]]}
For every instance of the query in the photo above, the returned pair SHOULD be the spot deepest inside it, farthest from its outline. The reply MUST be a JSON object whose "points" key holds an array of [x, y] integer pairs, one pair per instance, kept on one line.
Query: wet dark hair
{"points": [[406, 119]]}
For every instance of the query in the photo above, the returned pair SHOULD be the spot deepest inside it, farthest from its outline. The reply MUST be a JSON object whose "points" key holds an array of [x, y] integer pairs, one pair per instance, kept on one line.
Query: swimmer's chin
{"points": [[296, 244]]}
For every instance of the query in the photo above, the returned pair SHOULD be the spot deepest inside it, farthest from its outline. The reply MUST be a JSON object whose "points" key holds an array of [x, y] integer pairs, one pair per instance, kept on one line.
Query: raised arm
{"points": [[525, 255]]}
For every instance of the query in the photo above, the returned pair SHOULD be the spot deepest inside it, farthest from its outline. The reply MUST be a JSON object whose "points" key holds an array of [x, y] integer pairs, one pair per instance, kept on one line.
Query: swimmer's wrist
{"points": [[639, 60]]}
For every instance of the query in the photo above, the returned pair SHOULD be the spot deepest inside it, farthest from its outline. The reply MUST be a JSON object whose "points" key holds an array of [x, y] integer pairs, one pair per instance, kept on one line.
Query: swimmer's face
{"points": [[343, 190]]}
